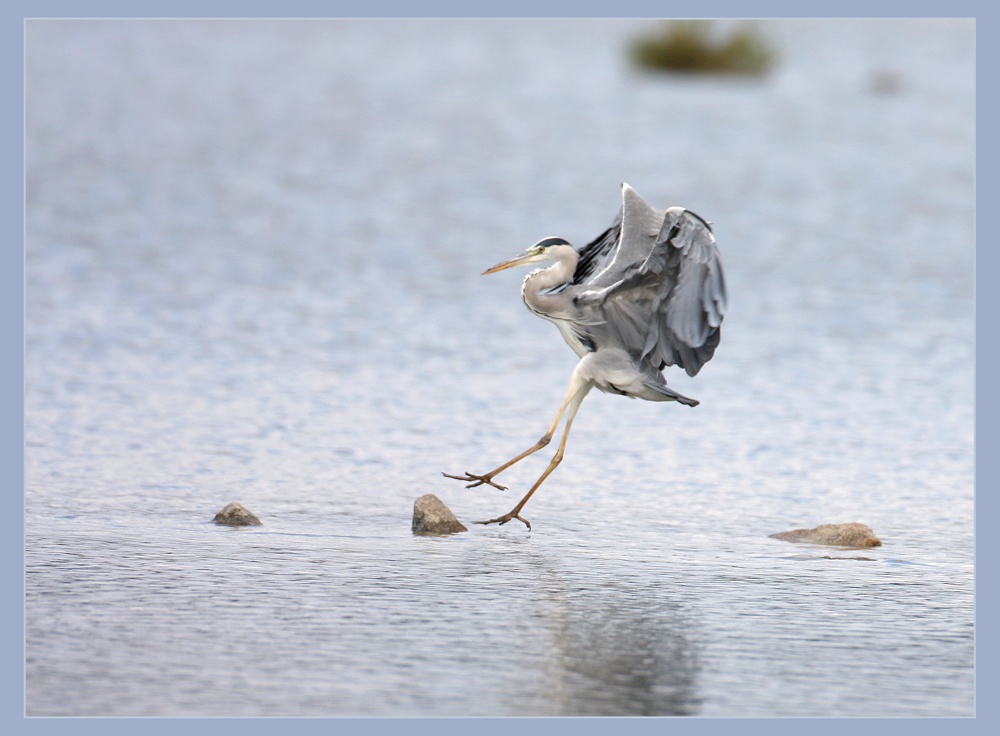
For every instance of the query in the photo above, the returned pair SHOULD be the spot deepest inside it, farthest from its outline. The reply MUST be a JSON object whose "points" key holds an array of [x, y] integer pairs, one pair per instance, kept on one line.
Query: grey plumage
{"points": [[647, 293], [653, 286]]}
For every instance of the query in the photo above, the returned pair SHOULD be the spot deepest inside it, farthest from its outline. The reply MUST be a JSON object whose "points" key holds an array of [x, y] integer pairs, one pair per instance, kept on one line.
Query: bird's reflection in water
{"points": [[617, 650]]}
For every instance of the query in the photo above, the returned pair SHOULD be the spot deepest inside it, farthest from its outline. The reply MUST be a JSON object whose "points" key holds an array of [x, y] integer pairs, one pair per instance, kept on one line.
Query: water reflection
{"points": [[619, 649]]}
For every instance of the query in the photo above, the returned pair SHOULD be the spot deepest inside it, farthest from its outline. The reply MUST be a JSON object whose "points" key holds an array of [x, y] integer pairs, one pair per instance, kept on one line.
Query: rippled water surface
{"points": [[252, 275]]}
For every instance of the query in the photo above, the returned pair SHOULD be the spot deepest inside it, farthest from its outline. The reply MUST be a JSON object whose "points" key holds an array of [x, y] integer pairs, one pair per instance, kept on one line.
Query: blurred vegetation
{"points": [[691, 46]]}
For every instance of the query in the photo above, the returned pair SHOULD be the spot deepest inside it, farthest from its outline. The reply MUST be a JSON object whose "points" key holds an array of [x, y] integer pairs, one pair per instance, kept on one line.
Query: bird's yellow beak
{"points": [[522, 260]]}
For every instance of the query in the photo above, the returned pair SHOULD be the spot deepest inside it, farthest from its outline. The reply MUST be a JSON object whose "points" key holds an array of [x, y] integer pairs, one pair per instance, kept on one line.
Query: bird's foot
{"points": [[477, 480], [501, 520]]}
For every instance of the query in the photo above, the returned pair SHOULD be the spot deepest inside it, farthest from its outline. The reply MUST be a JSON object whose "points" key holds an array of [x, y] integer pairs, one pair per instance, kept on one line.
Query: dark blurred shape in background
{"points": [[703, 47]]}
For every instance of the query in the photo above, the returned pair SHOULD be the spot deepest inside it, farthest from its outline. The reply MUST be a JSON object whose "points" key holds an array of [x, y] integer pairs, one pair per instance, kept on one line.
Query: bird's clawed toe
{"points": [[501, 520], [477, 480]]}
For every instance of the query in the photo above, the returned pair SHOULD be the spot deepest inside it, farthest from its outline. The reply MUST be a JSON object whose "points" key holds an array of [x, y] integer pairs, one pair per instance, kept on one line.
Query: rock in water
{"points": [[838, 535], [235, 515], [431, 516]]}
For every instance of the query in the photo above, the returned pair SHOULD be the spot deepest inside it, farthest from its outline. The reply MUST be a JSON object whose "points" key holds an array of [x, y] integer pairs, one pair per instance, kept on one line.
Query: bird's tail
{"points": [[683, 399], [670, 395]]}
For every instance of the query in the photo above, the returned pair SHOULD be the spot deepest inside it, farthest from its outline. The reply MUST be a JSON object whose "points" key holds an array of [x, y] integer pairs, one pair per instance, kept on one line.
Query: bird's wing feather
{"points": [[653, 284], [595, 253], [624, 247]]}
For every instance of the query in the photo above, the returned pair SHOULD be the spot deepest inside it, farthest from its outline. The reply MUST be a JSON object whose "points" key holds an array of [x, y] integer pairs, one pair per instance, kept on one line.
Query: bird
{"points": [[647, 293]]}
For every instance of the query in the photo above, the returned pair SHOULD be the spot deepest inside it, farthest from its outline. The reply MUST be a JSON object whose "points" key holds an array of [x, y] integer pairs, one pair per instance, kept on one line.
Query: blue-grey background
{"points": [[252, 274]]}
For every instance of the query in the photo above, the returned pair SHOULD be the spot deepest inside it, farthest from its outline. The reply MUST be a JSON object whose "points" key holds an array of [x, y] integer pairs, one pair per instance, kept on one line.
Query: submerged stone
{"points": [[431, 516], [236, 515], [840, 535]]}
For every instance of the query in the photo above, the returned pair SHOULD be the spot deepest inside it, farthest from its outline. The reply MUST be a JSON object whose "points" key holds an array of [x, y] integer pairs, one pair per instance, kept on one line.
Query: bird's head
{"points": [[544, 250]]}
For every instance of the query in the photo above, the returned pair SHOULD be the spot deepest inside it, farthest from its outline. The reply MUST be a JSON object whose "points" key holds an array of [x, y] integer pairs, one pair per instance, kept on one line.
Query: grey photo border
{"points": [[14, 16]]}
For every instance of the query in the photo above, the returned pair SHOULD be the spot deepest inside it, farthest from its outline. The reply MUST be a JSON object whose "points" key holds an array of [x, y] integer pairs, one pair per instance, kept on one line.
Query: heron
{"points": [[647, 293]]}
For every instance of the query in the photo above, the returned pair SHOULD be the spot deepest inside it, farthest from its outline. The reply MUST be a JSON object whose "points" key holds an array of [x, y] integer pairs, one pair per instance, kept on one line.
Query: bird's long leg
{"points": [[574, 400], [478, 480]]}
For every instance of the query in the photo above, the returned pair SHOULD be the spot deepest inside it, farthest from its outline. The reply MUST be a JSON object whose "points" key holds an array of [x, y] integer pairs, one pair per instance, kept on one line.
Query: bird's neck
{"points": [[541, 280]]}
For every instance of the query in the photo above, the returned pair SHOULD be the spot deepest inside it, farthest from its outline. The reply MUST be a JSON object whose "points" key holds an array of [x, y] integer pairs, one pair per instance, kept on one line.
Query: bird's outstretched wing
{"points": [[652, 284]]}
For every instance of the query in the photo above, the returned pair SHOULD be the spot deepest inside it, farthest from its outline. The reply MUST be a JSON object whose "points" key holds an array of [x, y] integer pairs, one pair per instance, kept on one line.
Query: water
{"points": [[252, 275]]}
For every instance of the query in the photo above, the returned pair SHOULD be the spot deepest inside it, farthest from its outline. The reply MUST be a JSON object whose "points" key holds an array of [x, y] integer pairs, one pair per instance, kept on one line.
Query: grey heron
{"points": [[647, 293]]}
